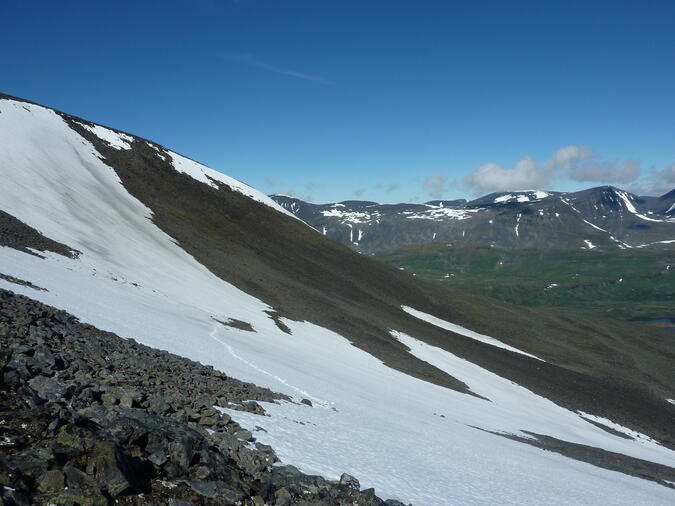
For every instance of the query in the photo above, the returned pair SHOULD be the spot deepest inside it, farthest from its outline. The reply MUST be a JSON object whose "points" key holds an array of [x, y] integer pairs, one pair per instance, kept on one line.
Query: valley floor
{"points": [[627, 284]]}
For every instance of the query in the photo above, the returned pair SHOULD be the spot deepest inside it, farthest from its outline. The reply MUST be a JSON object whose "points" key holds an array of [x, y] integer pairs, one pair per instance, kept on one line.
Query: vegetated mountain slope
{"points": [[169, 249], [605, 217]]}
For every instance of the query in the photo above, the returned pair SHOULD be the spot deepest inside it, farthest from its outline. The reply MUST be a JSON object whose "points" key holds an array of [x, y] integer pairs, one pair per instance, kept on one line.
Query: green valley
{"points": [[627, 284]]}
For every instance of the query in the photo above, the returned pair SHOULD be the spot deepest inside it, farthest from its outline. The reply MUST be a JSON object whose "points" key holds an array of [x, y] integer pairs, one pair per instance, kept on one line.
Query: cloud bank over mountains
{"points": [[572, 163], [568, 164], [578, 163]]}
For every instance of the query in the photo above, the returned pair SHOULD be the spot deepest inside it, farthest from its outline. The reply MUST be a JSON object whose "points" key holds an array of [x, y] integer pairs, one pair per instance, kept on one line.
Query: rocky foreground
{"points": [[87, 417]]}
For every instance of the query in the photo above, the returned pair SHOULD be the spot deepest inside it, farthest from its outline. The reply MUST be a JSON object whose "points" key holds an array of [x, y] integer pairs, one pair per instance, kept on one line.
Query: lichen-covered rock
{"points": [[48, 388], [349, 481], [52, 481]]}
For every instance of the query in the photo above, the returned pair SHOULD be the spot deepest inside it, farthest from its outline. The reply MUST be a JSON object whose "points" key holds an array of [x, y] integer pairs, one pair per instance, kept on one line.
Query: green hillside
{"points": [[627, 284]]}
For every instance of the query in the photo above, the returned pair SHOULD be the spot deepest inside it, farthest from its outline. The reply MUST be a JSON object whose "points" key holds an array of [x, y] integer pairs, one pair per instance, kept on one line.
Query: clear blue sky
{"points": [[384, 100]]}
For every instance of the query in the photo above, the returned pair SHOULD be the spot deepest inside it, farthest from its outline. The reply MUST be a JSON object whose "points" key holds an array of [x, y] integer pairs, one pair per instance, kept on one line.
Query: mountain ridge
{"points": [[603, 217], [488, 197]]}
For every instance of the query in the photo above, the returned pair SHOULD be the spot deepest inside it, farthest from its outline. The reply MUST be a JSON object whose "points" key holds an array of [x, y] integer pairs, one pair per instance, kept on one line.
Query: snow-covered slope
{"points": [[409, 438]]}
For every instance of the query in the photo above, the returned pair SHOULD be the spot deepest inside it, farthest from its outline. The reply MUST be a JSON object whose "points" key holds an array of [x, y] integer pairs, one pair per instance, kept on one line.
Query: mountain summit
{"points": [[605, 217], [429, 394]]}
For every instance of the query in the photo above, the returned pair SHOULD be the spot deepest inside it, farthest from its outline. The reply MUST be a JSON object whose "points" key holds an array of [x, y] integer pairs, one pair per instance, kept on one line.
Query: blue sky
{"points": [[379, 100]]}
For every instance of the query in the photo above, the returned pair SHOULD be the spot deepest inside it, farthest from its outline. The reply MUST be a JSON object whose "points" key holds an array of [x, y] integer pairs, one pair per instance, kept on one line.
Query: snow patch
{"points": [[669, 241], [518, 224], [159, 151], [437, 213], [116, 139], [348, 217], [619, 428], [528, 196], [458, 329]]}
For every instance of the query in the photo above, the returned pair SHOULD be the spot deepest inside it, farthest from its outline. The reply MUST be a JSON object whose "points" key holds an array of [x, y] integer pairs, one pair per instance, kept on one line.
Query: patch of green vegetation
{"points": [[627, 284]]}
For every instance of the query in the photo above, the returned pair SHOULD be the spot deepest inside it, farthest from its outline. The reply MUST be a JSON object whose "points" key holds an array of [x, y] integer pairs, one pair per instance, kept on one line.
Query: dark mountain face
{"points": [[605, 217], [664, 204]]}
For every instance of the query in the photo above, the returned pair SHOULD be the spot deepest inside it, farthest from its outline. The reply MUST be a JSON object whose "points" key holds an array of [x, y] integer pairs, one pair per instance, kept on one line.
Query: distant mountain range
{"points": [[604, 218]]}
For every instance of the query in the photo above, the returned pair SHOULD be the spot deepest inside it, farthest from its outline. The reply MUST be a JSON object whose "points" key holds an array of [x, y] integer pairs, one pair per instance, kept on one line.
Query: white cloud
{"points": [[578, 163], [656, 182], [568, 157], [667, 175], [387, 187], [434, 185], [524, 175], [612, 171]]}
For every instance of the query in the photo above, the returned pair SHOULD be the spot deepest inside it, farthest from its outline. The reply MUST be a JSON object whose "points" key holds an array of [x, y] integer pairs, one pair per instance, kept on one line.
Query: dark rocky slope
{"points": [[16, 234], [89, 418]]}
